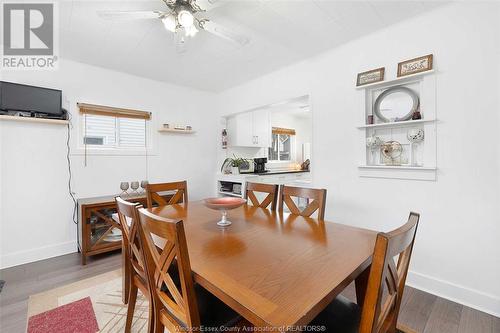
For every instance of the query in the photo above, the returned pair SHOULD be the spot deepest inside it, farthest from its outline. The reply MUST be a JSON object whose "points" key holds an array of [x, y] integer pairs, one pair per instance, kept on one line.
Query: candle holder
{"points": [[373, 143], [415, 136]]}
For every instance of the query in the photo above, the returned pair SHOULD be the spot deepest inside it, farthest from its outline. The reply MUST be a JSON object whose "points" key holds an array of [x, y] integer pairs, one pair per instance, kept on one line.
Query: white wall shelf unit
{"points": [[418, 160], [397, 172], [34, 120], [396, 81], [398, 123], [396, 167]]}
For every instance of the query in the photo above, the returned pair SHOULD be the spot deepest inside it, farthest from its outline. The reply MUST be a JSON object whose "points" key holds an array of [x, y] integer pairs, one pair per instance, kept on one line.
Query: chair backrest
{"points": [[318, 197], [377, 317], [270, 199], [180, 305], [153, 196], [129, 221]]}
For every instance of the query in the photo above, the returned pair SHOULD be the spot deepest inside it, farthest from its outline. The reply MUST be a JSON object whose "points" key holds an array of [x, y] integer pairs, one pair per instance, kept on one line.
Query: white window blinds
{"points": [[131, 132], [108, 127]]}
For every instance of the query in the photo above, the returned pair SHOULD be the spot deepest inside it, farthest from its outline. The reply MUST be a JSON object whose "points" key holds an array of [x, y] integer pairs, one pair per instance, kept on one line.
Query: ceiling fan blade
{"points": [[220, 31], [129, 15]]}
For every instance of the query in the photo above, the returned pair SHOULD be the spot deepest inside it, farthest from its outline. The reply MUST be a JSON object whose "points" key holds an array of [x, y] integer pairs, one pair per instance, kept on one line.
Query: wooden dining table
{"points": [[275, 269]]}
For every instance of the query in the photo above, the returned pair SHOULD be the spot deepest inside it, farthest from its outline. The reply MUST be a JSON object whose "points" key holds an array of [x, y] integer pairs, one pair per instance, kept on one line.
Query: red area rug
{"points": [[76, 317]]}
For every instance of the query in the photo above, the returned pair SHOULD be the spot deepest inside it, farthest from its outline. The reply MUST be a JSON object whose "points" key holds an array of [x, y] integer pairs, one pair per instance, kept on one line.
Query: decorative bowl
{"points": [[224, 204]]}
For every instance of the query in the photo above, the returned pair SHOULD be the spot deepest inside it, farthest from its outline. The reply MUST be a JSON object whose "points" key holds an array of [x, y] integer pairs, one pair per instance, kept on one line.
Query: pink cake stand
{"points": [[224, 204]]}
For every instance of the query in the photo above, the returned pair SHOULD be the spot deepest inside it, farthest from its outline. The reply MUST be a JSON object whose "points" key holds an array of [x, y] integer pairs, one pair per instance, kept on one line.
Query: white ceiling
{"points": [[298, 106], [280, 32]]}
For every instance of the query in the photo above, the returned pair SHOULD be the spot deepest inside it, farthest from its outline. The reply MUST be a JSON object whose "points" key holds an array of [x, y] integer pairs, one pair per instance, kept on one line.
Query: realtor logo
{"points": [[29, 36]]}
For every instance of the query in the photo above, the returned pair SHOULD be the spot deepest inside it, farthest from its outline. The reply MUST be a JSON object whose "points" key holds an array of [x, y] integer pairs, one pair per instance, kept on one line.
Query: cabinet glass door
{"points": [[104, 231]]}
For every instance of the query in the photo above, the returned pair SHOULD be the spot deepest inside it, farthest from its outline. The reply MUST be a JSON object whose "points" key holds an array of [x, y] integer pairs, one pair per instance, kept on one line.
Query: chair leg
{"points": [[159, 328], [126, 273], [151, 317], [131, 307], [400, 328]]}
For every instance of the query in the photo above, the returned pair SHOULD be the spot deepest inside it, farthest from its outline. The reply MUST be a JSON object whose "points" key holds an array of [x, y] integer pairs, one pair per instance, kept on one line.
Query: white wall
{"points": [[457, 250], [35, 214]]}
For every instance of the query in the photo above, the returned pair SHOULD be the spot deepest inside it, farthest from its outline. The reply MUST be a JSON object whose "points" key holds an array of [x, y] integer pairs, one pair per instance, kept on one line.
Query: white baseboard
{"points": [[469, 297], [40, 253]]}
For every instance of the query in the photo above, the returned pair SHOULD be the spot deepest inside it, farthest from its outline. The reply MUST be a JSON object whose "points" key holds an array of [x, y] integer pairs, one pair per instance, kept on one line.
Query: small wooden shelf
{"points": [[398, 123], [396, 81], [173, 130], [34, 120]]}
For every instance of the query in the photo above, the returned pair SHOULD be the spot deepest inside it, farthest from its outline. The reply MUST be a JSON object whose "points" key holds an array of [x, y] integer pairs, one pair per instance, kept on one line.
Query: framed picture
{"points": [[375, 75], [417, 65]]}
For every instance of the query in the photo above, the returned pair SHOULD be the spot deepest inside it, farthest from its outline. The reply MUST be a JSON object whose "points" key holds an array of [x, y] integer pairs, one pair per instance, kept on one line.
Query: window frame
{"points": [[82, 149], [293, 157]]}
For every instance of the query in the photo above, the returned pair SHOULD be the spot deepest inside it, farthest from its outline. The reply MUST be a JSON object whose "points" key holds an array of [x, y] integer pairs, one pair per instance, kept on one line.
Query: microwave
{"points": [[247, 167]]}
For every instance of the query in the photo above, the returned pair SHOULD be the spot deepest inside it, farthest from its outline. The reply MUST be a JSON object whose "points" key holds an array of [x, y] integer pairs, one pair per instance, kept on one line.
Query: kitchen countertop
{"points": [[247, 176], [276, 172], [279, 172]]}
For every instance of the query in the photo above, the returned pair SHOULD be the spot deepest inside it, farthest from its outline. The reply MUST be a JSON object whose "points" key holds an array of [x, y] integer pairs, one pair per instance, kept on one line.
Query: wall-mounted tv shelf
{"points": [[34, 120]]}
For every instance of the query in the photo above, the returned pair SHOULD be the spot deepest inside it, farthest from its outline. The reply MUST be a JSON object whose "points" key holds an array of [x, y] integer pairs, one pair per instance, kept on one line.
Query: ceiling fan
{"points": [[182, 19]]}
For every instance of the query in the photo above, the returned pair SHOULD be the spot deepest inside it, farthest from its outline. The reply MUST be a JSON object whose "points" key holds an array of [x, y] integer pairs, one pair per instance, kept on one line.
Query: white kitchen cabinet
{"points": [[240, 130], [285, 178], [262, 128], [249, 129]]}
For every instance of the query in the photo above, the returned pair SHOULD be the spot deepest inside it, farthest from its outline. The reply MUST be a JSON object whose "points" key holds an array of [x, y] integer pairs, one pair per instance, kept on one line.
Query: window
{"points": [[110, 128], [282, 144]]}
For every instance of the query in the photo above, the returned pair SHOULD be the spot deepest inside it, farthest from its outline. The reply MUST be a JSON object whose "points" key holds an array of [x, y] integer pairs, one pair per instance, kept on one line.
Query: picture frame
{"points": [[415, 65], [371, 76]]}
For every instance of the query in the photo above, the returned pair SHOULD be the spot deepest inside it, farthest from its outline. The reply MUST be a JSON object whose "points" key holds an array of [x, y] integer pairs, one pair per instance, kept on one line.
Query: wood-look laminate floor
{"points": [[420, 311]]}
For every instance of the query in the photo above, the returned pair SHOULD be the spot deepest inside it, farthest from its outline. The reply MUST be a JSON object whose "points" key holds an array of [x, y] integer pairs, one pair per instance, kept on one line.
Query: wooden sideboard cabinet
{"points": [[97, 231]]}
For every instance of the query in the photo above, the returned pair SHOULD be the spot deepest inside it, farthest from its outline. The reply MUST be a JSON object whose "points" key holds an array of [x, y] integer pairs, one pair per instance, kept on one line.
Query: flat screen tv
{"points": [[22, 98]]}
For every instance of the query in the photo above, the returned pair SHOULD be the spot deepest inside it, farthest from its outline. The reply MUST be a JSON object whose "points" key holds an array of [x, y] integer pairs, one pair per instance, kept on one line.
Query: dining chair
{"points": [[379, 313], [153, 196], [179, 304], [318, 203], [134, 274], [270, 199]]}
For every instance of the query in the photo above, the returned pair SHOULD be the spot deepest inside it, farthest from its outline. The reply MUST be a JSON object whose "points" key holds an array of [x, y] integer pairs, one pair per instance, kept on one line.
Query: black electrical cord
{"points": [[70, 189]]}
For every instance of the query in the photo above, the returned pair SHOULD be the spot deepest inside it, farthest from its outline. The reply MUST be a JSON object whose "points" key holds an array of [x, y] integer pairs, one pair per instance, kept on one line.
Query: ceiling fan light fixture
{"points": [[170, 23], [191, 31], [185, 18]]}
